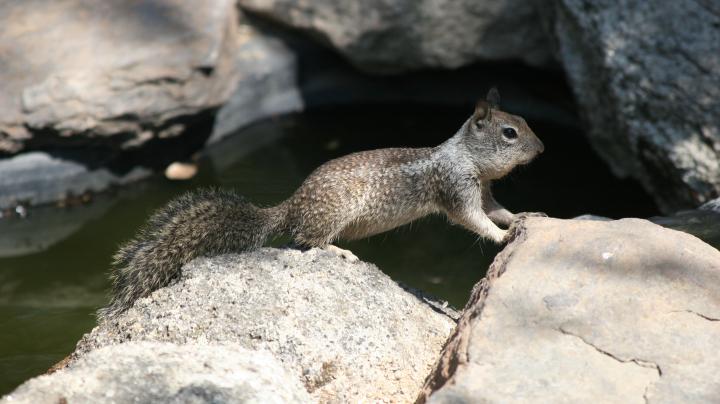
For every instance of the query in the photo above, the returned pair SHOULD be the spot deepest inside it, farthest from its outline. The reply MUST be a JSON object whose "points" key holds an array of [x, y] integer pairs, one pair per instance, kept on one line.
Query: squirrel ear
{"points": [[493, 97], [482, 110]]}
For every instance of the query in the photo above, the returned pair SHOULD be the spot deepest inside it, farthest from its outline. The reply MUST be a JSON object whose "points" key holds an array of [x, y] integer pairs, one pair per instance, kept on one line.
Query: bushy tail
{"points": [[201, 223]]}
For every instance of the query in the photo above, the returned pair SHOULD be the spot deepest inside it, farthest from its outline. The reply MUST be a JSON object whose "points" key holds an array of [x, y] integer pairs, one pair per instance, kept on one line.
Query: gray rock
{"points": [[713, 205], [391, 35], [109, 78], [129, 70], [149, 372], [36, 178], [589, 311], [646, 75], [345, 330], [268, 86], [702, 223]]}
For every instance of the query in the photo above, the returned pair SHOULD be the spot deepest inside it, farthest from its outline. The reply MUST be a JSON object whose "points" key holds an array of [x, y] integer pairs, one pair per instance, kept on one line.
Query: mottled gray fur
{"points": [[351, 197]]}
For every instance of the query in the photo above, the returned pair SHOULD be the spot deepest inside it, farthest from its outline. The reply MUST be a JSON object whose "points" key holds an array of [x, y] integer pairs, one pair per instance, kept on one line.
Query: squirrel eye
{"points": [[509, 133]]}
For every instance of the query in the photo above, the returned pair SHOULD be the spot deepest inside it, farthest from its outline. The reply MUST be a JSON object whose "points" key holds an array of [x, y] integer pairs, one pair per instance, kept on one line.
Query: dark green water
{"points": [[53, 264]]}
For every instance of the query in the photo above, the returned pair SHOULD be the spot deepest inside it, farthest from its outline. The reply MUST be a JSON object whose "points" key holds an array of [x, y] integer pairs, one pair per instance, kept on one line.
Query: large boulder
{"points": [[150, 372], [589, 311], [343, 329], [392, 35], [92, 69], [94, 91], [646, 75]]}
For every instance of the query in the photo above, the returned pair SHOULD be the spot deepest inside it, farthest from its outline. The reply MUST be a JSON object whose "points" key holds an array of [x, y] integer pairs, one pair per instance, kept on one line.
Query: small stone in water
{"points": [[435, 280], [181, 171], [21, 211]]}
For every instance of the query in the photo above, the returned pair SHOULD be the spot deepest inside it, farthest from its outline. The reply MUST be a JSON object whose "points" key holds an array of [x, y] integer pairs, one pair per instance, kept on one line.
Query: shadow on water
{"points": [[53, 265]]}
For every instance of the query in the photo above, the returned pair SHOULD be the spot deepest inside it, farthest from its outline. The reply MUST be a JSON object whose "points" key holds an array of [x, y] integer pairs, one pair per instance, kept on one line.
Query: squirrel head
{"points": [[497, 141]]}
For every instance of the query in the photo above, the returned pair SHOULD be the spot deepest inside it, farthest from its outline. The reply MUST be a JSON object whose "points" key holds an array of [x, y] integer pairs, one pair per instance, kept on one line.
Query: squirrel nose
{"points": [[540, 146]]}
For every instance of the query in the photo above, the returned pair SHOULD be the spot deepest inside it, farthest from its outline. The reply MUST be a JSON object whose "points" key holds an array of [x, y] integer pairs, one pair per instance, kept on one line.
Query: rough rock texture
{"points": [[96, 69], [589, 311], [117, 85], [149, 372], [392, 35], [646, 74], [345, 330]]}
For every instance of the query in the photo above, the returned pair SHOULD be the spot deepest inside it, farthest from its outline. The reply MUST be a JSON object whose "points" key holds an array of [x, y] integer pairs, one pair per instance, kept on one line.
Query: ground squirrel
{"points": [[351, 197]]}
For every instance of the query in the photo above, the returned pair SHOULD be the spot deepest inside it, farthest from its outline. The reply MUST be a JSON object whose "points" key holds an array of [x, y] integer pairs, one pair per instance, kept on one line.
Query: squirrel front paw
{"points": [[517, 222], [512, 230]]}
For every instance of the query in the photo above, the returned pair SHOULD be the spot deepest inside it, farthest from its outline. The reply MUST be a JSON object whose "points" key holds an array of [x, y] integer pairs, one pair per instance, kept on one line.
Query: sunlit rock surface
{"points": [[589, 311], [98, 69], [151, 372], [646, 75], [344, 330]]}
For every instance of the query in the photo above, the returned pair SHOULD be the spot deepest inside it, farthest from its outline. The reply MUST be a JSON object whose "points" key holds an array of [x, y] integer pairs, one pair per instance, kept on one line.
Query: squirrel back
{"points": [[201, 223]]}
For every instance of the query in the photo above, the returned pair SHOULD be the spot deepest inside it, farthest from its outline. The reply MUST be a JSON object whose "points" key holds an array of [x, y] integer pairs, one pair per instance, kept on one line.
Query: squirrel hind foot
{"points": [[340, 252], [345, 254]]}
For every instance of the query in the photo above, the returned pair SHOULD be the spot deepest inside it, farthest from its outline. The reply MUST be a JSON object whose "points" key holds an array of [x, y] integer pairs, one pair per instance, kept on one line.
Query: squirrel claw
{"points": [[511, 232], [517, 221]]}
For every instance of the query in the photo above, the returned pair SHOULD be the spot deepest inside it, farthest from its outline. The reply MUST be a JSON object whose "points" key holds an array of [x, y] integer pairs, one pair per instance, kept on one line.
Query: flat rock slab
{"points": [[151, 372], [343, 329], [589, 311]]}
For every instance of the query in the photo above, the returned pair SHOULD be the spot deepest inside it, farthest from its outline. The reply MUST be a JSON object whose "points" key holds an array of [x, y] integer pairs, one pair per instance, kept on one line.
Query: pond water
{"points": [[53, 264]]}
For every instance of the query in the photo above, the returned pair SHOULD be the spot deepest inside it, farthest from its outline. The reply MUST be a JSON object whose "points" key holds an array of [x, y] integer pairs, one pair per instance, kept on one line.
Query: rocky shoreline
{"points": [[630, 311]]}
